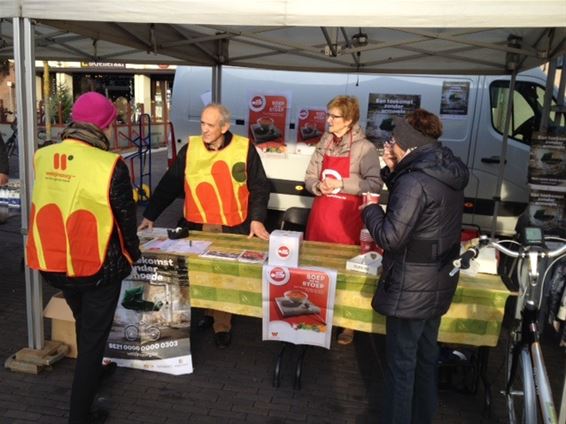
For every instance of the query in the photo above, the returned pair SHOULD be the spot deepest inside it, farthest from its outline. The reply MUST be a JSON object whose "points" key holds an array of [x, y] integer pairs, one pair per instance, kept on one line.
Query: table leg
{"points": [[299, 368], [483, 357], [278, 364]]}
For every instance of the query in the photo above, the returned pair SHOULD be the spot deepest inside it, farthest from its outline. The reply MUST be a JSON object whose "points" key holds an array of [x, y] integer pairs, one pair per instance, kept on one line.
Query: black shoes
{"points": [[223, 339], [98, 416], [205, 322]]}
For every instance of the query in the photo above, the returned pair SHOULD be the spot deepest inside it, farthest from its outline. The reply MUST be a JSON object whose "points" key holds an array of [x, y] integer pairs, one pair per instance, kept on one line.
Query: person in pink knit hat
{"points": [[83, 238]]}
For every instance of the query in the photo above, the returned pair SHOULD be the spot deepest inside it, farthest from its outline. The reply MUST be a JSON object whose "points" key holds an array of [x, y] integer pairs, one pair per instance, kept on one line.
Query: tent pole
{"points": [[502, 156], [24, 56], [550, 76], [217, 83]]}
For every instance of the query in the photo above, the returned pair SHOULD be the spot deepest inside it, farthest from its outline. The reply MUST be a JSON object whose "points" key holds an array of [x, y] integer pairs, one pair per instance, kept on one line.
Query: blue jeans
{"points": [[411, 379]]}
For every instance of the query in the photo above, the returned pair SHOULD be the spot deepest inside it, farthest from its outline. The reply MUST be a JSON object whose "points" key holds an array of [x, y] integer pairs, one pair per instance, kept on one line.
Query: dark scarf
{"points": [[88, 133]]}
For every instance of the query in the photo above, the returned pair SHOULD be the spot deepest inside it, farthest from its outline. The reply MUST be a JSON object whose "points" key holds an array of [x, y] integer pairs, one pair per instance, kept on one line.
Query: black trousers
{"points": [[93, 308], [411, 378]]}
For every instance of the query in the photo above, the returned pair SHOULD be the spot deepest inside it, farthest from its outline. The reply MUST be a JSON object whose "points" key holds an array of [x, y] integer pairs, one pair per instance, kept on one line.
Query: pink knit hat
{"points": [[95, 109]]}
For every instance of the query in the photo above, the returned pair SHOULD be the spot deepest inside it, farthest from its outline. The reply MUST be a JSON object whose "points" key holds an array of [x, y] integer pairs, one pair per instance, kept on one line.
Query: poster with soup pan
{"points": [[454, 100], [311, 123], [382, 108], [298, 304], [268, 120]]}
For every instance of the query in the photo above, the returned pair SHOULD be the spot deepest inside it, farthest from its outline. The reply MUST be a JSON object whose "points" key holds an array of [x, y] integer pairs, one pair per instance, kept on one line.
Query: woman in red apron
{"points": [[344, 165]]}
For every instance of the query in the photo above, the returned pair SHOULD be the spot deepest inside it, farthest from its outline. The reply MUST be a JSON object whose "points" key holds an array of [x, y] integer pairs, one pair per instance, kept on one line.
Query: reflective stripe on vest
{"points": [[71, 219], [216, 190]]}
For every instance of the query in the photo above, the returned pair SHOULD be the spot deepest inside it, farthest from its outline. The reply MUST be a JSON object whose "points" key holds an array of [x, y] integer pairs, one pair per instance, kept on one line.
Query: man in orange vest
{"points": [[82, 236], [221, 176]]}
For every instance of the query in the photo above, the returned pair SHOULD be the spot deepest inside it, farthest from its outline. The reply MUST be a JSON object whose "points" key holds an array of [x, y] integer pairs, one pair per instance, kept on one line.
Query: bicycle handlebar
{"points": [[463, 261], [515, 254]]}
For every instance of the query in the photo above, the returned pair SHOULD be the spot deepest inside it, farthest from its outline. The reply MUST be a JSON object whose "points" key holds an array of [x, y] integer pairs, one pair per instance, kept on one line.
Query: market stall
{"points": [[473, 319]]}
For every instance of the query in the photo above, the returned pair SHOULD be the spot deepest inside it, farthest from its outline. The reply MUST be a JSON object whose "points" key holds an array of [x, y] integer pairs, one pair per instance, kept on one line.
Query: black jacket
{"points": [[172, 185], [420, 233], [116, 267]]}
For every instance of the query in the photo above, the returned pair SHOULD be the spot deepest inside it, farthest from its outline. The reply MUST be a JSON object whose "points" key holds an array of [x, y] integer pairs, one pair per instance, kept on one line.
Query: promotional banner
{"points": [[381, 108], [268, 120], [298, 304], [547, 160], [454, 100], [311, 123], [151, 327]]}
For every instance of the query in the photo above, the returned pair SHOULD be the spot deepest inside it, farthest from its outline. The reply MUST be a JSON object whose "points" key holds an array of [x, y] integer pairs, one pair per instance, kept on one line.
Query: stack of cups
{"points": [[367, 244]]}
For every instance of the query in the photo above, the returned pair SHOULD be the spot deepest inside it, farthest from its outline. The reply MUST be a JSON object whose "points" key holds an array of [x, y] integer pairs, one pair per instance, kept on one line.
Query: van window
{"points": [[527, 108]]}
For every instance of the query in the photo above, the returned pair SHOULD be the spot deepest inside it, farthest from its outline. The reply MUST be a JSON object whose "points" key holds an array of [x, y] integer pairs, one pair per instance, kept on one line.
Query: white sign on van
{"points": [[381, 108]]}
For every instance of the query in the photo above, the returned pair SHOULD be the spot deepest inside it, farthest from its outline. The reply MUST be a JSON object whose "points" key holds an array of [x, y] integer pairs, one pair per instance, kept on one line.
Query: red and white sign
{"points": [[268, 121], [311, 124], [298, 304]]}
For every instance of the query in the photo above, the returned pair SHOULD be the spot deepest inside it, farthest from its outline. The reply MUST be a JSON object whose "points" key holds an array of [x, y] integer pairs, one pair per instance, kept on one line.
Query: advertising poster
{"points": [[454, 100], [151, 327], [311, 123], [547, 209], [268, 119], [383, 107], [298, 304], [547, 161]]}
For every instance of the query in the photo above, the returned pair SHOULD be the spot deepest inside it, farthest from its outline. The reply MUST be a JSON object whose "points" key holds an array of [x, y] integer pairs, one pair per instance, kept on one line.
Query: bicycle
{"points": [[526, 375], [12, 141]]}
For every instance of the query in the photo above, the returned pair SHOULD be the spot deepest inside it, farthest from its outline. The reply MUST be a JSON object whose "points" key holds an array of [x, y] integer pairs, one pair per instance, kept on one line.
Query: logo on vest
{"points": [[60, 163]]}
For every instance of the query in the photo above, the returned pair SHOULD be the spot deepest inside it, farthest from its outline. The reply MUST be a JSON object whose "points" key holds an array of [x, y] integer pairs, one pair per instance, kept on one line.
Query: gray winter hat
{"points": [[407, 137]]}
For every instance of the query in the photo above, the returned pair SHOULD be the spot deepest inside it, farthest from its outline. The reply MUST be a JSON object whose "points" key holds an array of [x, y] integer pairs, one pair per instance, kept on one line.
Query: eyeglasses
{"points": [[333, 117], [390, 142]]}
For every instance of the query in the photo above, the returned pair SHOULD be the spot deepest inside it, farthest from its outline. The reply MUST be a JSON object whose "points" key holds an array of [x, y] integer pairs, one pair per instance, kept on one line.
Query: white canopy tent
{"points": [[366, 36], [402, 36]]}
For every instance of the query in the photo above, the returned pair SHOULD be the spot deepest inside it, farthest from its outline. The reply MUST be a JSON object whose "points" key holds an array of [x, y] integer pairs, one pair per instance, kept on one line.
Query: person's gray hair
{"points": [[225, 115]]}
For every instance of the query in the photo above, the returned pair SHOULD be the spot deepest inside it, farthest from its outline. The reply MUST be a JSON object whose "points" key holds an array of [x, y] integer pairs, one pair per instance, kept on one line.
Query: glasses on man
{"points": [[333, 117], [390, 142]]}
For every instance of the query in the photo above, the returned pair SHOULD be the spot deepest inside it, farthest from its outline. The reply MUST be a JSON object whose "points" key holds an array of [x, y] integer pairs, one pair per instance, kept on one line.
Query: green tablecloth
{"points": [[473, 319]]}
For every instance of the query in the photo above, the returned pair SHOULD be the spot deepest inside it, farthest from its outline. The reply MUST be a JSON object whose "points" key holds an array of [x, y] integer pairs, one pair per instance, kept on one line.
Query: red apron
{"points": [[335, 218]]}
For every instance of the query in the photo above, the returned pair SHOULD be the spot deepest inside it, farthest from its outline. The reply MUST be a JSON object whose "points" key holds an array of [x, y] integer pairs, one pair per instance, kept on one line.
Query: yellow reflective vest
{"points": [[71, 220], [216, 190]]}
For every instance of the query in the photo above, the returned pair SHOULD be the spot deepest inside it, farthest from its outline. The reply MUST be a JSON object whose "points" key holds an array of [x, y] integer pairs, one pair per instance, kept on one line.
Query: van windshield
{"points": [[526, 115]]}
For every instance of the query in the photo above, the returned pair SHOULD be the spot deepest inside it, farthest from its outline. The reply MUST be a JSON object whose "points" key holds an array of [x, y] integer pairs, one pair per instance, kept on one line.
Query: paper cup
{"points": [[371, 198]]}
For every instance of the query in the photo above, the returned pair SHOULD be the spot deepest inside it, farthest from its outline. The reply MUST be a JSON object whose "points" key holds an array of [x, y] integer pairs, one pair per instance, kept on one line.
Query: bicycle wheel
{"points": [[520, 393]]}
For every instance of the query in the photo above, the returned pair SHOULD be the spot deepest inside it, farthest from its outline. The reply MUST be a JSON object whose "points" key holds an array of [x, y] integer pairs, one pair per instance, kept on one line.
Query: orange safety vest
{"points": [[71, 220], [216, 190]]}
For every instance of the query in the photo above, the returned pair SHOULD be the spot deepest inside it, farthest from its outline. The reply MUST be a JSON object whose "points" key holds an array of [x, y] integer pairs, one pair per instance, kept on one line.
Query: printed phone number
{"points": [[144, 348]]}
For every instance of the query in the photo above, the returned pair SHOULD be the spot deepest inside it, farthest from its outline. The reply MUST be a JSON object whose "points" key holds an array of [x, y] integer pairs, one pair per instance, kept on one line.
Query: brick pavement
{"points": [[342, 385]]}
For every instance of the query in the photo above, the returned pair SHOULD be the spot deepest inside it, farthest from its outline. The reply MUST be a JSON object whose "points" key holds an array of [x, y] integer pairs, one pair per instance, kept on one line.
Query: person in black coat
{"points": [[420, 236]]}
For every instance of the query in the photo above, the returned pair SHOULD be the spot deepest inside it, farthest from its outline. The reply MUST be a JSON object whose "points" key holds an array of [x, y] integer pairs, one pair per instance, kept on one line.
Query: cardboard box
{"points": [[368, 263], [487, 260], [62, 323], [284, 248]]}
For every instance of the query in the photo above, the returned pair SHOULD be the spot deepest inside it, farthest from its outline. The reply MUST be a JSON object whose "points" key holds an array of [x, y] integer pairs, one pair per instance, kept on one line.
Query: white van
{"points": [[475, 136]]}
